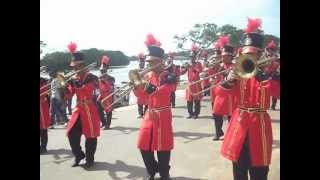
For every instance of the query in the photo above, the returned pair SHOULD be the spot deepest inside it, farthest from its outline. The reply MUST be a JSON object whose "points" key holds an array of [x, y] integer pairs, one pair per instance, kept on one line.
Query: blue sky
{"points": [[123, 24]]}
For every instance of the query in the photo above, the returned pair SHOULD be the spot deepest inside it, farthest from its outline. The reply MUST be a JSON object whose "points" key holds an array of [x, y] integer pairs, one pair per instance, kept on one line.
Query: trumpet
{"points": [[68, 77], [136, 79], [246, 66]]}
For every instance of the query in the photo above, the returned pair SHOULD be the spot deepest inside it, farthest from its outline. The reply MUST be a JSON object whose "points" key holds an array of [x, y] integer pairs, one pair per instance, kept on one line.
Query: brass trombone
{"points": [[136, 79], [68, 77], [246, 66]]}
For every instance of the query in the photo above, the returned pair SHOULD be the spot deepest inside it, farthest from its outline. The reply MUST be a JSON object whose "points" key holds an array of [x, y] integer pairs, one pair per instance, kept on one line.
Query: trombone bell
{"points": [[135, 77]]}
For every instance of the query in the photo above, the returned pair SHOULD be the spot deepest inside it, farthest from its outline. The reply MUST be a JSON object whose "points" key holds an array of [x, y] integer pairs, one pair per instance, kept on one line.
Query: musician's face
{"points": [[154, 63], [78, 67], [227, 58]]}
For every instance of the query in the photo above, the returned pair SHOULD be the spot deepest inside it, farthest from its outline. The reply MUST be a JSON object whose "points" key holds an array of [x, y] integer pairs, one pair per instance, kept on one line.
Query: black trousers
{"points": [[142, 110], [207, 92], [274, 102], [101, 113], [109, 117], [173, 99], [43, 138], [74, 140], [153, 166], [218, 122], [196, 107], [69, 103], [241, 168]]}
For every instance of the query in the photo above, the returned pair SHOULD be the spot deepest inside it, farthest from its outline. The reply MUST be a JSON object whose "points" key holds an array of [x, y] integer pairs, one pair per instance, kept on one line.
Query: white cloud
{"points": [[123, 24]]}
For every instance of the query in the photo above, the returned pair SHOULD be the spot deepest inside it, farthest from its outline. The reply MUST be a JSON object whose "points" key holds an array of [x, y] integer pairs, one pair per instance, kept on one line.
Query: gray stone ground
{"points": [[195, 156]]}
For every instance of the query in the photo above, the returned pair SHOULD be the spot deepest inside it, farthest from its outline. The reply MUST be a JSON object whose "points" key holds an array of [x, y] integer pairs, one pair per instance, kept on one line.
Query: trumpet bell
{"points": [[246, 66]]}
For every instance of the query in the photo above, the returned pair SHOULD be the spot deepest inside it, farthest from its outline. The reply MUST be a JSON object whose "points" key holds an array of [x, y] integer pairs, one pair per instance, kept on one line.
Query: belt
{"points": [[252, 110], [85, 101], [159, 109]]}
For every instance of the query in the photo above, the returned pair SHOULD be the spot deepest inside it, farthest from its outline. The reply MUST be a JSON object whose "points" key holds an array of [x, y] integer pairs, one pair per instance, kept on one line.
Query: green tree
{"points": [[42, 45], [206, 34], [60, 60]]}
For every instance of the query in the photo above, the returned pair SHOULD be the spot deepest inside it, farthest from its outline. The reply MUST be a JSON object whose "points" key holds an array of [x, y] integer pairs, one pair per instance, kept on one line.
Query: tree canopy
{"points": [[59, 61], [204, 35]]}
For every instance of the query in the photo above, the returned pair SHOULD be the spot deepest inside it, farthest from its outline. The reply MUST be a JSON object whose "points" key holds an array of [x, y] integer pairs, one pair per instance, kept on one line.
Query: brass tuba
{"points": [[246, 66]]}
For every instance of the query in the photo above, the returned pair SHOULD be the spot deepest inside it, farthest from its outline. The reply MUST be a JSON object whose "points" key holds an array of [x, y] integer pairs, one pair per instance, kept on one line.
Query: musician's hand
{"points": [[232, 76], [150, 88]]}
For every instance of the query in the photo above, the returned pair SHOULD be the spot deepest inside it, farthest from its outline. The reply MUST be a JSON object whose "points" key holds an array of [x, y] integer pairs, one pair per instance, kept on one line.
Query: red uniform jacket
{"points": [[156, 132], [141, 98], [206, 82], [177, 72], [257, 125], [275, 84], [224, 103], [193, 75], [86, 108], [44, 108], [106, 89]]}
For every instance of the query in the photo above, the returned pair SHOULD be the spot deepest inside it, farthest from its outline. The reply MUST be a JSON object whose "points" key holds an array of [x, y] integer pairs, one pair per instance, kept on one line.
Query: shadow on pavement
{"points": [[276, 144], [275, 120], [191, 136], [60, 155], [119, 166], [185, 178], [177, 116], [124, 130], [181, 107], [205, 117]]}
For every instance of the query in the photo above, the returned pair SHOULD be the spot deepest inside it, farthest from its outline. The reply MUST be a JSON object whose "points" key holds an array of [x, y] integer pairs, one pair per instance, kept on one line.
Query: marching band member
{"points": [[175, 69], [141, 99], [44, 115], [223, 104], [248, 139], [85, 118], [106, 87], [273, 71], [205, 83], [193, 70], [156, 132]]}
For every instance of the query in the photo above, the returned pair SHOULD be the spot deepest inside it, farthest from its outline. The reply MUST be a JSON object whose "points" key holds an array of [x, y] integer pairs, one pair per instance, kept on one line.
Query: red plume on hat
{"points": [[271, 45], [216, 45], [205, 53], [158, 43], [223, 40], [194, 47], [151, 40], [72, 47], [253, 25], [105, 60]]}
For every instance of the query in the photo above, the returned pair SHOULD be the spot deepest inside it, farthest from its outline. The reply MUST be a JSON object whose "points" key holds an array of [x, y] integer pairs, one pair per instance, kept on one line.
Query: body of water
{"points": [[121, 74]]}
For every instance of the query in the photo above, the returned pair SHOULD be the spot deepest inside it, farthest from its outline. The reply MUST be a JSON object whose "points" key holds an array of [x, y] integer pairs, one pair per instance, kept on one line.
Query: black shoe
{"points": [[273, 108], [77, 161], [89, 164], [189, 117], [150, 177], [216, 138], [43, 150], [195, 117], [106, 128], [140, 116]]}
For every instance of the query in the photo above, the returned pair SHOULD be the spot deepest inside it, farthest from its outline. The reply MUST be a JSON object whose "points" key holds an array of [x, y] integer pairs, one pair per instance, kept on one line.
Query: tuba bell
{"points": [[246, 66]]}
